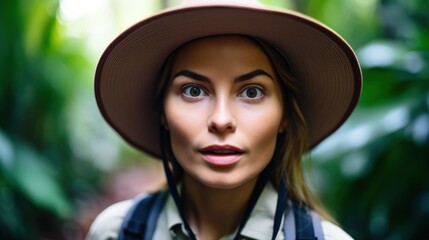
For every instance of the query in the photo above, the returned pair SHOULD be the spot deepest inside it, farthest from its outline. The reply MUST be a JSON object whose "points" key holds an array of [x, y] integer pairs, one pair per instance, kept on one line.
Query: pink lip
{"points": [[221, 155]]}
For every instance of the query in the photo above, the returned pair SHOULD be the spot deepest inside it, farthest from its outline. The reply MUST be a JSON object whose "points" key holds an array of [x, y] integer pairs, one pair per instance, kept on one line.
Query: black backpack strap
{"points": [[140, 221], [302, 224]]}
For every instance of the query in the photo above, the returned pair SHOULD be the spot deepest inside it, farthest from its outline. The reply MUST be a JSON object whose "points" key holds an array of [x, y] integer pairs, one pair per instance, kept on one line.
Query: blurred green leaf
{"points": [[37, 180], [372, 173]]}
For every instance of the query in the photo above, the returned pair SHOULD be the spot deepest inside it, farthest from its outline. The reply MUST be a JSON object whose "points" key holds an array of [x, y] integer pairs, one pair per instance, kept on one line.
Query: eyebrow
{"points": [[191, 74], [244, 77], [253, 74]]}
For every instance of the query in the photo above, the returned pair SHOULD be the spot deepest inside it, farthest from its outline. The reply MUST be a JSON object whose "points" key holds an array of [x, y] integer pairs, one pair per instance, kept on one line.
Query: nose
{"points": [[222, 119]]}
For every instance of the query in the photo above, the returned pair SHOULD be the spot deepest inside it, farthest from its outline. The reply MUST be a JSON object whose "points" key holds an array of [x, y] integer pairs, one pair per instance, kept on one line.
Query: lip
{"points": [[221, 155]]}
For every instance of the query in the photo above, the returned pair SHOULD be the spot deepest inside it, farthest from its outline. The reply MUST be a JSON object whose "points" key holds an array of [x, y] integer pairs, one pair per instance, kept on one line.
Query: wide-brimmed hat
{"points": [[127, 73]]}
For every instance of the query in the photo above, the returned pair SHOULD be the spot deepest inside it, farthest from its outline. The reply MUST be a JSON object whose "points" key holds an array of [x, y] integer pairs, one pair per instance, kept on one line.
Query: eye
{"points": [[193, 91], [252, 92]]}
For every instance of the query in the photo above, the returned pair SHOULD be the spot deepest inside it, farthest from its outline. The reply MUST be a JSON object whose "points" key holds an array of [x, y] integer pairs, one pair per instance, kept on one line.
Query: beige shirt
{"points": [[169, 226]]}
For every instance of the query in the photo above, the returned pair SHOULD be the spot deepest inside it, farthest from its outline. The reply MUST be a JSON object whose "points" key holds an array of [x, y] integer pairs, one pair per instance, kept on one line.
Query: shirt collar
{"points": [[259, 226]]}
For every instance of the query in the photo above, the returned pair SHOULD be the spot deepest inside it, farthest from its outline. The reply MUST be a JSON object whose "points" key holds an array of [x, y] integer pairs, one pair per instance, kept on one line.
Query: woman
{"points": [[230, 106]]}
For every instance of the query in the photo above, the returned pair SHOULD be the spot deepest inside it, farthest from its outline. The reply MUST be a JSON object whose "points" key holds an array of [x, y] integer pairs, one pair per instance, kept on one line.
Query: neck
{"points": [[213, 212]]}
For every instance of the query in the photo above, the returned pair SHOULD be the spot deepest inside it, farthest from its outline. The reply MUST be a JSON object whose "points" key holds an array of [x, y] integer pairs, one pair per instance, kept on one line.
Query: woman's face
{"points": [[223, 109]]}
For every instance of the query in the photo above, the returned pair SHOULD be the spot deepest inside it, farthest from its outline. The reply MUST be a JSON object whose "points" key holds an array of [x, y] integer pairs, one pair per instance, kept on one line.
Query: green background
{"points": [[60, 163]]}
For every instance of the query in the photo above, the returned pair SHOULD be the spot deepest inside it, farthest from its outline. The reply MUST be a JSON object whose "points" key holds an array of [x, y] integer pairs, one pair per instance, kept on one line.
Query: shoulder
{"points": [[333, 232], [108, 222]]}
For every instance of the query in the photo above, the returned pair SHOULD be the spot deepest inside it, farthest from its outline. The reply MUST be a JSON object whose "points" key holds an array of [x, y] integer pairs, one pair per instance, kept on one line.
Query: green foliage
{"points": [[371, 173], [41, 75]]}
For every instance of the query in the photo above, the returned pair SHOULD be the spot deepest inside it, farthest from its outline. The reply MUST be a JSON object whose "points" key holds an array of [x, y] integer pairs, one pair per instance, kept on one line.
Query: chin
{"points": [[224, 182], [221, 185]]}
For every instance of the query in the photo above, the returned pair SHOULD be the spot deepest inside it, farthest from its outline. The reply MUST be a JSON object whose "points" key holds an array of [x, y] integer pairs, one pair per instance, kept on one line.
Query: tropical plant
{"points": [[55, 151]]}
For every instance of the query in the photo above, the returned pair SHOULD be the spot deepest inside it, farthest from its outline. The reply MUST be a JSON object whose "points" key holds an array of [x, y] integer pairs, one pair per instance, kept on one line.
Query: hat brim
{"points": [[127, 73]]}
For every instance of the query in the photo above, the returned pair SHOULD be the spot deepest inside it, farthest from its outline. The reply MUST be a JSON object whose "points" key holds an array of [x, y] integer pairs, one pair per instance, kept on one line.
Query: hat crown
{"points": [[241, 3]]}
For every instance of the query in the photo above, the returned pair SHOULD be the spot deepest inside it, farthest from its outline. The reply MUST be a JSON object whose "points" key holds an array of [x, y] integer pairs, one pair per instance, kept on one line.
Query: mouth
{"points": [[221, 155], [221, 150]]}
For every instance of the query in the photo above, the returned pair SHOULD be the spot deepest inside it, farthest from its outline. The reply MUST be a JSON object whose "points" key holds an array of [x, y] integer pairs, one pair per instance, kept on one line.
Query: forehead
{"points": [[231, 49]]}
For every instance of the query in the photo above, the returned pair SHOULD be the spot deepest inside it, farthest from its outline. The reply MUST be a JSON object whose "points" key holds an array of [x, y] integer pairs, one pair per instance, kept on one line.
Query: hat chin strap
{"points": [[259, 187]]}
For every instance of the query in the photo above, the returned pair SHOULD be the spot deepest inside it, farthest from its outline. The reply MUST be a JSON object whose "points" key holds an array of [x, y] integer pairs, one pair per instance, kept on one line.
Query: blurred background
{"points": [[60, 164]]}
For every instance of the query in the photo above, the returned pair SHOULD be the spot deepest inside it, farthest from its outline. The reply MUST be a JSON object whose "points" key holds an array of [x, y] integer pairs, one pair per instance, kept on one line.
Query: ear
{"points": [[164, 122]]}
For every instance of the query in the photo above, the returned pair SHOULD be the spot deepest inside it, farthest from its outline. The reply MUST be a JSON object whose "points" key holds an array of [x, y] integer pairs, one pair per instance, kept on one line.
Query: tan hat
{"points": [[127, 72]]}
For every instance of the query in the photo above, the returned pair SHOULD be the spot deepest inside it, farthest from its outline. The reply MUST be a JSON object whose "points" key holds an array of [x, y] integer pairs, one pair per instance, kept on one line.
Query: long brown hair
{"points": [[291, 144]]}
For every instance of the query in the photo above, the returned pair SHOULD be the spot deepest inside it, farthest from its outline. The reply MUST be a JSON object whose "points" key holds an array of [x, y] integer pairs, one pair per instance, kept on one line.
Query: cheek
{"points": [[265, 138], [263, 132], [180, 136], [182, 125]]}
